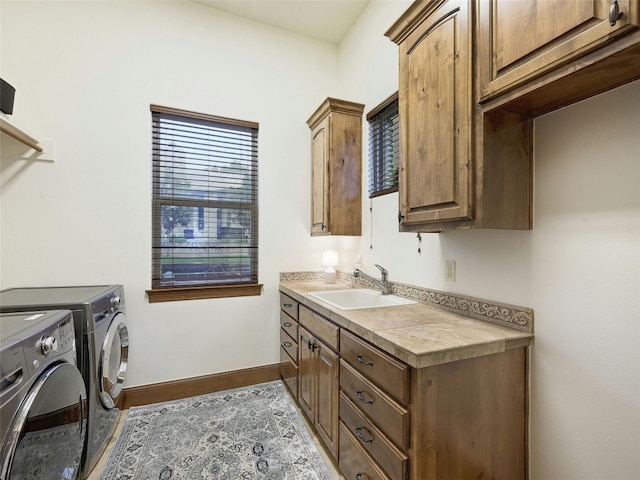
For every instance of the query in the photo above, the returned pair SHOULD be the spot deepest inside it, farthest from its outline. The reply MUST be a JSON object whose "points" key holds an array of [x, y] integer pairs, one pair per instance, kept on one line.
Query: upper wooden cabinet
{"points": [[435, 106], [336, 166], [521, 40], [473, 76], [457, 169]]}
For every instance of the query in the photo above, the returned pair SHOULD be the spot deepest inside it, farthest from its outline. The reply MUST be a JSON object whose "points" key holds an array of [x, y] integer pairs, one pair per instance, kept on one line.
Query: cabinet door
{"points": [[436, 113], [319, 174], [328, 366], [306, 374], [530, 37]]}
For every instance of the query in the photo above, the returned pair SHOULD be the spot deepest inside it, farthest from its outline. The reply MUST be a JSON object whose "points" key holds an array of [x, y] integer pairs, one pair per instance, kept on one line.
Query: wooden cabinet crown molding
{"points": [[335, 105], [411, 18]]}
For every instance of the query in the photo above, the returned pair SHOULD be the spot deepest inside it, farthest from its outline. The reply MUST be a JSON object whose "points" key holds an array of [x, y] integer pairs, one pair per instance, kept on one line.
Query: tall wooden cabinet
{"points": [[456, 169], [336, 165], [556, 33]]}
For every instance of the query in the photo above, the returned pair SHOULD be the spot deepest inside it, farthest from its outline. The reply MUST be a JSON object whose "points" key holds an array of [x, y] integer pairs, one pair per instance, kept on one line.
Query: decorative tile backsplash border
{"points": [[506, 314], [300, 276]]}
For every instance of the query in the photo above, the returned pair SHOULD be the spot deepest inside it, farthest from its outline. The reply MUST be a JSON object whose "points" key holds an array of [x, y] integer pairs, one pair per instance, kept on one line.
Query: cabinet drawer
{"points": [[394, 462], [376, 365], [391, 417], [289, 345], [289, 325], [354, 461], [289, 305], [289, 372], [321, 328]]}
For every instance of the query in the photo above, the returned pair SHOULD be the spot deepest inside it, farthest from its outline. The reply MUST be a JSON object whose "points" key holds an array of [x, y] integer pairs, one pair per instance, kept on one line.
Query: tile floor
{"points": [[97, 471]]}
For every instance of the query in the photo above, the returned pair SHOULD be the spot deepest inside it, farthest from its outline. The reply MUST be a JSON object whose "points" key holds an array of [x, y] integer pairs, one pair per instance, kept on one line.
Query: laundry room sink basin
{"points": [[359, 298]]}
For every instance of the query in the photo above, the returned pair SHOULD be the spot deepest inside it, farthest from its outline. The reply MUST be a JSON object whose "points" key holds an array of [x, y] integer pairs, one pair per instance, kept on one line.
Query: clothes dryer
{"points": [[43, 400], [103, 347]]}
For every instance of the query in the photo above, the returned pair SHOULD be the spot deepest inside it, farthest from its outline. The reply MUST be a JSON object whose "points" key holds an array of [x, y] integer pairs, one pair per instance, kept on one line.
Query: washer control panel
{"points": [[57, 339]]}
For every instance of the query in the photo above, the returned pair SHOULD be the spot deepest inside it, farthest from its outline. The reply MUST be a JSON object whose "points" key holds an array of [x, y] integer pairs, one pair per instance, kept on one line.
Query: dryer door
{"points": [[46, 438], [114, 356]]}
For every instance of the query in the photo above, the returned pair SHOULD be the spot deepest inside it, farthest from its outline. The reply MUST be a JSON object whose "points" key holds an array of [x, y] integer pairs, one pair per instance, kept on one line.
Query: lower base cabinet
{"points": [[393, 461], [354, 462], [318, 387], [469, 419], [289, 372], [289, 343], [383, 420], [465, 419]]}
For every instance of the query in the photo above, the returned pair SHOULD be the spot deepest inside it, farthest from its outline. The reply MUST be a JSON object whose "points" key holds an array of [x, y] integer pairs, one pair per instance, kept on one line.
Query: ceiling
{"points": [[325, 20]]}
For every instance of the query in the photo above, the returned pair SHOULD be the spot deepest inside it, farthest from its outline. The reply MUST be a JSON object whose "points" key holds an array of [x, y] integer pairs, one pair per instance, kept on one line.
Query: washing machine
{"points": [[103, 350], [43, 400]]}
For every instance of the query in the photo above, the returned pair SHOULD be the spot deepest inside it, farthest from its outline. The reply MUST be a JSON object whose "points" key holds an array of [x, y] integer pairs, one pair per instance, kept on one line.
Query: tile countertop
{"points": [[420, 335]]}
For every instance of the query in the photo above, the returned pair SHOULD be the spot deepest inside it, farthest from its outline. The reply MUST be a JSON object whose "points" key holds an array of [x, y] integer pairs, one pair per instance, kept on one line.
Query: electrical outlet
{"points": [[450, 273]]}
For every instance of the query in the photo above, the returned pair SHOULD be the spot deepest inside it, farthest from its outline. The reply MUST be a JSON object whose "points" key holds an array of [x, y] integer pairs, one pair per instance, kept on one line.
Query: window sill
{"points": [[196, 293]]}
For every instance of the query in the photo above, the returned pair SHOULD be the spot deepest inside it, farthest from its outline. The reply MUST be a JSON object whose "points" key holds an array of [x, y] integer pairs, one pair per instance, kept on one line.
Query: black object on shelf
{"points": [[7, 94]]}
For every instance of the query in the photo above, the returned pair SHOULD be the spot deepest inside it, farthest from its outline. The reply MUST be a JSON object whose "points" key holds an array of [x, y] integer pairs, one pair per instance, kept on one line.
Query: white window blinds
{"points": [[205, 200]]}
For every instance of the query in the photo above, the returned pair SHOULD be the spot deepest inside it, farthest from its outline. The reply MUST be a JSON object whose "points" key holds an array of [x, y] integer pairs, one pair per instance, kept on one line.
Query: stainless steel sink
{"points": [[355, 299]]}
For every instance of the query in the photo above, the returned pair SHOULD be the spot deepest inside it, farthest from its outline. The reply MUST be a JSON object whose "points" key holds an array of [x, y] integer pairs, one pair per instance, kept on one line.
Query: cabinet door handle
{"points": [[286, 344], [362, 437], [287, 324], [361, 397], [362, 361], [614, 13]]}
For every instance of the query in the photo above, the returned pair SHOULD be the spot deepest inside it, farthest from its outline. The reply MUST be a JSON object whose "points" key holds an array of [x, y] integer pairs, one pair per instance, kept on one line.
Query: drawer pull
{"points": [[362, 437], [614, 13], [287, 324], [362, 361], [361, 397], [287, 305], [359, 476], [286, 344]]}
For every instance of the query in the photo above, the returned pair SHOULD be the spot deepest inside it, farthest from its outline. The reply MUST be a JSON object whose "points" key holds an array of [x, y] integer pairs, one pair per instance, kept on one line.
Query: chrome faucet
{"points": [[383, 283]]}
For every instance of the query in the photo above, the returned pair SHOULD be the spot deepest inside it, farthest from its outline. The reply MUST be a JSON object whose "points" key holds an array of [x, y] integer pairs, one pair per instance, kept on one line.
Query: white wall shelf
{"points": [[17, 143], [19, 135]]}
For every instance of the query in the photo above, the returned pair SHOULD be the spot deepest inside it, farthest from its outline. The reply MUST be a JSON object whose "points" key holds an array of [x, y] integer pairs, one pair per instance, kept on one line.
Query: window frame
{"points": [[158, 293], [376, 159]]}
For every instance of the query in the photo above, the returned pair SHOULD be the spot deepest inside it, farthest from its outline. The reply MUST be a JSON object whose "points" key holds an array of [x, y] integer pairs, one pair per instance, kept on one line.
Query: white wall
{"points": [[86, 73], [86, 76], [579, 268]]}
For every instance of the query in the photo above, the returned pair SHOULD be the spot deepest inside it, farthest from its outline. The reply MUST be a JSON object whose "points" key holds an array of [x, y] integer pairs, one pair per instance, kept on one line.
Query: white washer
{"points": [[99, 318], [43, 400]]}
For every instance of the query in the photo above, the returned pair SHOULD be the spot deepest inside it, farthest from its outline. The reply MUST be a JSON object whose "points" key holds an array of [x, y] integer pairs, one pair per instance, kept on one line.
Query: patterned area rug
{"points": [[248, 433]]}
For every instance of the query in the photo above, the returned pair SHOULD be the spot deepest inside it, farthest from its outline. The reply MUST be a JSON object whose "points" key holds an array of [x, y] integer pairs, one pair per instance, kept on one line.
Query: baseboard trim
{"points": [[190, 387]]}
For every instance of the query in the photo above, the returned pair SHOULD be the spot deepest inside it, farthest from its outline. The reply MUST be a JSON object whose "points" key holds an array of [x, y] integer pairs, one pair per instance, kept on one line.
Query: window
{"points": [[383, 147], [204, 206]]}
